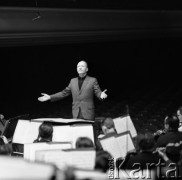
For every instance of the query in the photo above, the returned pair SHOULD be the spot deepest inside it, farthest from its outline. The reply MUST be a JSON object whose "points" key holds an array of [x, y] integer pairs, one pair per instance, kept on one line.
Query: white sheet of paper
{"points": [[84, 130], [118, 144], [111, 145], [125, 144], [26, 131], [93, 175], [61, 120], [84, 159], [123, 124], [17, 168], [30, 149], [57, 157], [72, 133], [62, 133]]}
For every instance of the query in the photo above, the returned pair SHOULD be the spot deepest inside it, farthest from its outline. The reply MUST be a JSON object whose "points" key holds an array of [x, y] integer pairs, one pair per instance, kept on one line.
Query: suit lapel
{"points": [[76, 85]]}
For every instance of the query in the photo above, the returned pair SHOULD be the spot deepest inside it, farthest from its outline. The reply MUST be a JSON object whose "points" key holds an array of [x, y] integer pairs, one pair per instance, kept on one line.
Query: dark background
{"points": [[127, 69], [97, 4]]}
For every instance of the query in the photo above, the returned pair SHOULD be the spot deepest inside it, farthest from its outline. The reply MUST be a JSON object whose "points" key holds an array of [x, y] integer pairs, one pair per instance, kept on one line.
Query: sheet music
{"points": [[78, 158], [125, 143], [58, 157], [111, 145], [118, 144], [81, 130], [62, 133], [61, 120], [71, 133], [123, 124], [83, 159], [26, 131], [30, 149]]}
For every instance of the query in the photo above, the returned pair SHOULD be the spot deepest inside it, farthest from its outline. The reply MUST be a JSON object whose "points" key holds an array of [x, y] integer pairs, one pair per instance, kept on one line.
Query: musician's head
{"points": [[46, 131], [82, 68], [84, 142], [102, 161], [179, 113], [107, 125], [171, 123], [6, 149]]}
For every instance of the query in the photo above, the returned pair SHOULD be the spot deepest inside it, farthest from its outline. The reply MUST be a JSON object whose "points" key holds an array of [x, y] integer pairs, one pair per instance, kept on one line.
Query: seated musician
{"points": [[45, 133]]}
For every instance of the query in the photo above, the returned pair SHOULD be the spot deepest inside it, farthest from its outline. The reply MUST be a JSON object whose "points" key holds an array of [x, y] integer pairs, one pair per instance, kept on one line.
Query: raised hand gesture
{"points": [[103, 94], [44, 97]]}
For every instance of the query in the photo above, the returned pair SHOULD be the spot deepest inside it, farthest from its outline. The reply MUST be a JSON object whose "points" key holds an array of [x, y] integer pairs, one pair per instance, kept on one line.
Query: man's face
{"points": [[82, 67], [179, 116], [104, 129], [166, 126]]}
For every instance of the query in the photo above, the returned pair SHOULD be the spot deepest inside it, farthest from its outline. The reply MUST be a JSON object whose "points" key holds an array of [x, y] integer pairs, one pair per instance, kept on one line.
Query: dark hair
{"points": [[173, 122], [145, 141], [84, 142], [108, 122], [2, 141], [6, 149], [45, 130], [102, 160], [180, 159], [173, 152]]}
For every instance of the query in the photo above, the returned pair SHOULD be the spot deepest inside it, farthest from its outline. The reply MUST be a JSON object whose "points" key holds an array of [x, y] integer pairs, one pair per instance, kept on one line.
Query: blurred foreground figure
{"points": [[145, 155], [6, 149], [102, 161]]}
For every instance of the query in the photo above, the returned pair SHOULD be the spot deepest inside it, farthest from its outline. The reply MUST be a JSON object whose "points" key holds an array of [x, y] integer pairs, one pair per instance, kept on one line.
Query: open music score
{"points": [[83, 158]]}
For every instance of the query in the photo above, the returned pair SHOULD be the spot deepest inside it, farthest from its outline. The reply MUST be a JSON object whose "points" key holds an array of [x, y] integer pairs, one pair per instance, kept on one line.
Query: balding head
{"points": [[82, 68]]}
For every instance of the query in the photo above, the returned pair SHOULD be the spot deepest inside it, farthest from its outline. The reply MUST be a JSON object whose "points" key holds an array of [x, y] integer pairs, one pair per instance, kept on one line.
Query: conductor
{"points": [[82, 89]]}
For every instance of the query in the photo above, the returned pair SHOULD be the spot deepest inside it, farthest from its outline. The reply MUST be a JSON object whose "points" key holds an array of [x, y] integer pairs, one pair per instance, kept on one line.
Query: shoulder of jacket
{"points": [[74, 78], [91, 77]]}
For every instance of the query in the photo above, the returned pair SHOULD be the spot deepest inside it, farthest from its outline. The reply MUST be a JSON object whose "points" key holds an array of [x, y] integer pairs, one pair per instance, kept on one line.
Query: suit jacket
{"points": [[83, 99], [171, 136]]}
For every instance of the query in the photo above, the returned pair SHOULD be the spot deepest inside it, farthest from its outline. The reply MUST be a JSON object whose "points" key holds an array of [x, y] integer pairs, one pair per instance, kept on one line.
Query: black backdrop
{"points": [[121, 67]]}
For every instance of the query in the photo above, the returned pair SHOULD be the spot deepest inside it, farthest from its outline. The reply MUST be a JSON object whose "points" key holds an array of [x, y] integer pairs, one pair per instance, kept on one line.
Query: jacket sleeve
{"points": [[60, 95], [97, 89]]}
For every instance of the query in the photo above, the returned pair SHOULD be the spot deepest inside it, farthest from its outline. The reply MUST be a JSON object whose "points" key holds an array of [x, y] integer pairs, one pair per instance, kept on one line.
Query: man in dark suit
{"points": [[82, 89], [172, 135]]}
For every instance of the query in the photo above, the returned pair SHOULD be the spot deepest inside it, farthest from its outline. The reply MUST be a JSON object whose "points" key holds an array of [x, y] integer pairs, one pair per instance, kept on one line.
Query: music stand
{"points": [[8, 132]]}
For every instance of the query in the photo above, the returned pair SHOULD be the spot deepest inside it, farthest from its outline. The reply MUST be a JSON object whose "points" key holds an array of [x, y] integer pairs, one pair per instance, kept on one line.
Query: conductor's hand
{"points": [[103, 94], [44, 97]]}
